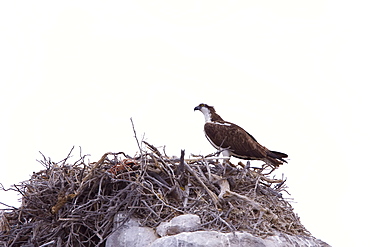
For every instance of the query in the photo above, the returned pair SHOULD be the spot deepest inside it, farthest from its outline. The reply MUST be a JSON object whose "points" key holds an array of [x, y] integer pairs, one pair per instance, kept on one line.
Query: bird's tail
{"points": [[277, 158]]}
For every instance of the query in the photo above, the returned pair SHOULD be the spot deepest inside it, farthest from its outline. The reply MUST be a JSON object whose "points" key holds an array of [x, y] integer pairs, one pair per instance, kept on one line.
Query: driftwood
{"points": [[74, 204]]}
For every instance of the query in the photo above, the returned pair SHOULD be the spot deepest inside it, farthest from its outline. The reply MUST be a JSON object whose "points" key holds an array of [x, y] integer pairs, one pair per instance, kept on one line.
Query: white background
{"points": [[292, 73]]}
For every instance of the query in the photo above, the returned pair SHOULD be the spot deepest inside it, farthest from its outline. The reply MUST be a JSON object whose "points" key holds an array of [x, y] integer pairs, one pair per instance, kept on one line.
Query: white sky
{"points": [[292, 73]]}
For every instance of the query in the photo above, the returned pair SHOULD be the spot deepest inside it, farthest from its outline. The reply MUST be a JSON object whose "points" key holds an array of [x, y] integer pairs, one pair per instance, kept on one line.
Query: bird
{"points": [[233, 140]]}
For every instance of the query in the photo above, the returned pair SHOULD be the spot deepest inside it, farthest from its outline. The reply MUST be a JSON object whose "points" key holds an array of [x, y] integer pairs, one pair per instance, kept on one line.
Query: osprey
{"points": [[234, 140]]}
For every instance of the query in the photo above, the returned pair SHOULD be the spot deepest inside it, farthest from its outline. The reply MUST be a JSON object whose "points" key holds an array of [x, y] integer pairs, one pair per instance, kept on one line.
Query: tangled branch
{"points": [[74, 204]]}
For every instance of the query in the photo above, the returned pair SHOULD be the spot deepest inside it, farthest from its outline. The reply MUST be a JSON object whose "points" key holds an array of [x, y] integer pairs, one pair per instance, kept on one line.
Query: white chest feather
{"points": [[206, 113], [222, 124]]}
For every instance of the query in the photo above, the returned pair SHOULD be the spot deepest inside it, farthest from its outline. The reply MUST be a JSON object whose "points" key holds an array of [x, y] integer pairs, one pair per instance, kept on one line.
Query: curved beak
{"points": [[197, 108]]}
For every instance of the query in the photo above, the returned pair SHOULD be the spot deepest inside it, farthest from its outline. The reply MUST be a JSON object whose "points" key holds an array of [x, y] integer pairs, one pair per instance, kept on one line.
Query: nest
{"points": [[75, 204]]}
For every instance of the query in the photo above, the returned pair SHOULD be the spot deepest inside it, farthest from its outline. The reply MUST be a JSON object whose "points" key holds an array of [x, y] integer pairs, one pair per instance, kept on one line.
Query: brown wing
{"points": [[240, 142]]}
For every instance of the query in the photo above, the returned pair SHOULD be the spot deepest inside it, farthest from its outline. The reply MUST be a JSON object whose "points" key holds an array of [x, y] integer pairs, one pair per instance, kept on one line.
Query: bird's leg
{"points": [[225, 153]]}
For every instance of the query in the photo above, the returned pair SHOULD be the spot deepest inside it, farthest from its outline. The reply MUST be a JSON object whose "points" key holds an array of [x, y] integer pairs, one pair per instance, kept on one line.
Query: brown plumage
{"points": [[234, 140]]}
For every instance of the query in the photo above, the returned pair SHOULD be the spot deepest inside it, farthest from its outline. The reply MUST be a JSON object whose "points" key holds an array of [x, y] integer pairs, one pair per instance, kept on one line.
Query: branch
{"points": [[137, 141], [210, 193]]}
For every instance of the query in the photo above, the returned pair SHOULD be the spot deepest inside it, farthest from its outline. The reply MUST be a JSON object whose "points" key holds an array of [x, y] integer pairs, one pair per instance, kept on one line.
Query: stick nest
{"points": [[75, 204]]}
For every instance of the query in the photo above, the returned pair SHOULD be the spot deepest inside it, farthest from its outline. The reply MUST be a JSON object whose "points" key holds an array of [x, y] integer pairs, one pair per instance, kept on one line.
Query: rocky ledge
{"points": [[184, 231]]}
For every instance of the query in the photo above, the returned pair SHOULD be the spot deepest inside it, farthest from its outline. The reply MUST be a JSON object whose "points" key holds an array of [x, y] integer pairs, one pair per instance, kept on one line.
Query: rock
{"points": [[182, 223], [281, 239], [194, 239], [181, 231], [237, 239], [130, 234]]}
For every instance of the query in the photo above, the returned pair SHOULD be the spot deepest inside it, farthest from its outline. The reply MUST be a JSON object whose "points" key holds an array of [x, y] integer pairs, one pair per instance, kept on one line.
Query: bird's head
{"points": [[208, 112]]}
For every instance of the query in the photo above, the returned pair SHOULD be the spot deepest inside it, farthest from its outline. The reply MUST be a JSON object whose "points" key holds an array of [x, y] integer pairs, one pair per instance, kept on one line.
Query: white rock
{"points": [[130, 234], [182, 223], [237, 239], [204, 239], [185, 227]]}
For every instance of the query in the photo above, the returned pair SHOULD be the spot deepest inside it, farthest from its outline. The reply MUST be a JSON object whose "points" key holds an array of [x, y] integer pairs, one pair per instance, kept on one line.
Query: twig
{"points": [[68, 156], [225, 222], [153, 149], [181, 168], [48, 243], [137, 140], [210, 193]]}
